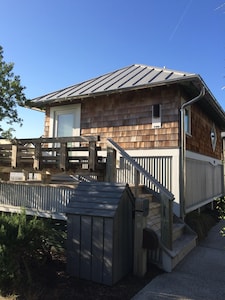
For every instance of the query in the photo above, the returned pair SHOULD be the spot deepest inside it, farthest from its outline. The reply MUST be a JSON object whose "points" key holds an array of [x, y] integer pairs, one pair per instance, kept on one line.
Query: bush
{"points": [[221, 210], [25, 243], [202, 222]]}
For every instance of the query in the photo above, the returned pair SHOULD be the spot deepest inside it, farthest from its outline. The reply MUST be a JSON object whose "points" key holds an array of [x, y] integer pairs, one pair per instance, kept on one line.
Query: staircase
{"points": [[184, 239]]}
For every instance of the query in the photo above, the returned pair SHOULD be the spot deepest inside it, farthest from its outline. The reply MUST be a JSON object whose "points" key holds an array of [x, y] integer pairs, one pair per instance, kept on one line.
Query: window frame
{"points": [[156, 120], [187, 121], [55, 111]]}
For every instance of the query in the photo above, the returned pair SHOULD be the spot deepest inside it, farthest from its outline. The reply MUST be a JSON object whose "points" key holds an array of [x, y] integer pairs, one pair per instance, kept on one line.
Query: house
{"points": [[156, 129], [151, 113]]}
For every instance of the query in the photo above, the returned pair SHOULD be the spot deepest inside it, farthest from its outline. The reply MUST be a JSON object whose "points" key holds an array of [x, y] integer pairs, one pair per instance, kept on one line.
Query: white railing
{"points": [[166, 197], [160, 167], [36, 199]]}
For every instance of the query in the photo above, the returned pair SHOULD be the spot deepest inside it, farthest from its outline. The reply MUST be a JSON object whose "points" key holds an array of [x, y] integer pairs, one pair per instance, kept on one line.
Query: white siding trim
{"points": [[200, 157]]}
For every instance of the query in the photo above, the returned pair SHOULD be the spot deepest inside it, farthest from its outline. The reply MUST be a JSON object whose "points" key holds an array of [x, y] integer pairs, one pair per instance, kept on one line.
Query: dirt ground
{"points": [[52, 283]]}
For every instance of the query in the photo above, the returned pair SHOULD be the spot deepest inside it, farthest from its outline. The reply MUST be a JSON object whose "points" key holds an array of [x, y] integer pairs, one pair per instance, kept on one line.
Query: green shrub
{"points": [[221, 210], [25, 242], [202, 222]]}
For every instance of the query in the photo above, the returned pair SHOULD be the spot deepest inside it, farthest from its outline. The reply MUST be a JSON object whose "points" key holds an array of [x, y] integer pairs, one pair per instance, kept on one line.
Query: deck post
{"points": [[63, 156], [166, 221], [136, 182], [111, 165], [37, 151], [92, 160], [140, 253], [14, 156]]}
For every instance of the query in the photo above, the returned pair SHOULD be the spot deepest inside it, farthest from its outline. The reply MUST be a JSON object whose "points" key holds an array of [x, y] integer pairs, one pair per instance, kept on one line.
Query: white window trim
{"points": [[54, 111], [188, 131]]}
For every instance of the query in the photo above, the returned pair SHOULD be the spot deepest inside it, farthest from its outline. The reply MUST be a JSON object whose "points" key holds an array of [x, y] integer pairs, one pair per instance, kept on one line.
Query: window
{"points": [[64, 124], [65, 121], [156, 116], [187, 120]]}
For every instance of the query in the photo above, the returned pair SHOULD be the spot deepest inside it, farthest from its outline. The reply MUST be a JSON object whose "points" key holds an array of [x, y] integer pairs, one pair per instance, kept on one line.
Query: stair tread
{"points": [[154, 204], [182, 242]]}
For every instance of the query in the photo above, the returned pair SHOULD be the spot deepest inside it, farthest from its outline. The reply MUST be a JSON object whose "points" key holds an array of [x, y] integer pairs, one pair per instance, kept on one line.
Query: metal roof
{"points": [[131, 77]]}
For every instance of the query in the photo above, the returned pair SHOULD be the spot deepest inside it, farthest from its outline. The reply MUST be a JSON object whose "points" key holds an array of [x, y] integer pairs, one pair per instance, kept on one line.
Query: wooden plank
{"points": [[97, 205], [90, 212], [85, 249], [97, 249], [108, 252], [73, 245], [100, 194], [87, 199], [59, 140]]}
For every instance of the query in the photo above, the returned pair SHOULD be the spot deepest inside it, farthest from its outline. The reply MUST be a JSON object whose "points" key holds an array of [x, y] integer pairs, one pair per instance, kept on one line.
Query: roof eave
{"points": [[45, 102]]}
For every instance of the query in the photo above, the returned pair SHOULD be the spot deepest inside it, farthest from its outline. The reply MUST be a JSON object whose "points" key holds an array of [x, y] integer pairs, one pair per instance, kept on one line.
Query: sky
{"points": [[57, 43]]}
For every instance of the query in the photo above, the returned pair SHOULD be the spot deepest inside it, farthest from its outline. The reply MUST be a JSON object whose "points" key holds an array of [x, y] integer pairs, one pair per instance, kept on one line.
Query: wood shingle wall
{"points": [[127, 119], [200, 139]]}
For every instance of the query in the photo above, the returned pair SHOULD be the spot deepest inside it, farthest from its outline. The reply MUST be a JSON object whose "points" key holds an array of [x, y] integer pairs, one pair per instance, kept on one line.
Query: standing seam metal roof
{"points": [[130, 77]]}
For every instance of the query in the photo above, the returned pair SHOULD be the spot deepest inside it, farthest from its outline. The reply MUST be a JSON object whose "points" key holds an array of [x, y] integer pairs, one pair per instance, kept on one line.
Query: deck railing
{"points": [[37, 199], [63, 153], [166, 196], [160, 167]]}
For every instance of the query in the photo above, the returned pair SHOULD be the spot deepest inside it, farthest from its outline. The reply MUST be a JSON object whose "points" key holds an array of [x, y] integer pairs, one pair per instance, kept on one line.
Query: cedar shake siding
{"points": [[127, 119], [200, 139]]}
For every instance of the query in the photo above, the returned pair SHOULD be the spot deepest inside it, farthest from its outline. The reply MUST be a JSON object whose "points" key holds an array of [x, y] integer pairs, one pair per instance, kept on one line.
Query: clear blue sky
{"points": [[57, 43]]}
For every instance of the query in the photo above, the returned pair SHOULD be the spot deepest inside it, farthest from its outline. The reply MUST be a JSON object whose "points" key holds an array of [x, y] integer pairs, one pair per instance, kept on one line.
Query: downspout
{"points": [[183, 152]]}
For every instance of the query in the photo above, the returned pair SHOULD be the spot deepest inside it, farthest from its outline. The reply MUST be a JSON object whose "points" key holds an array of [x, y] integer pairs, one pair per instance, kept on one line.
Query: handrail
{"points": [[139, 168], [57, 140], [166, 197]]}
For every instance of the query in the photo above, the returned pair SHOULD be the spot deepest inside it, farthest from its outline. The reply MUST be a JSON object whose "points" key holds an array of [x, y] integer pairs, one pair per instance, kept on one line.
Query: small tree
{"points": [[11, 95]]}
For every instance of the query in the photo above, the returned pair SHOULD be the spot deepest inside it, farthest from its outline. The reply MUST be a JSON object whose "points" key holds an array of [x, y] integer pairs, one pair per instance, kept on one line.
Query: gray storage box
{"points": [[100, 232]]}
